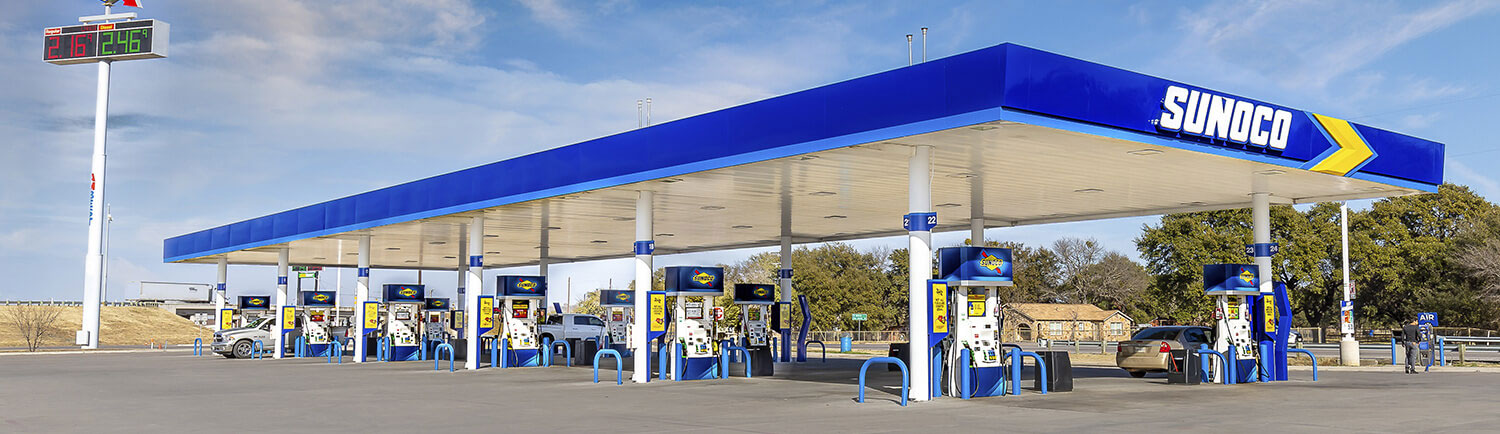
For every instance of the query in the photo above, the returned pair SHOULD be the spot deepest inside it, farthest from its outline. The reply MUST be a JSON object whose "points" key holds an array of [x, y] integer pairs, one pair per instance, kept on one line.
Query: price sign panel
{"points": [[126, 40]]}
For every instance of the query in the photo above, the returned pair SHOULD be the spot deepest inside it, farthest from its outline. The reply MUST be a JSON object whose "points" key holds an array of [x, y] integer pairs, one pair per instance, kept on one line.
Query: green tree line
{"points": [[1422, 253]]}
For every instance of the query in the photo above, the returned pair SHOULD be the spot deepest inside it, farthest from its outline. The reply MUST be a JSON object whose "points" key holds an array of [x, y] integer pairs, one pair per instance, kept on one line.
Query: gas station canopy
{"points": [[1019, 136]]}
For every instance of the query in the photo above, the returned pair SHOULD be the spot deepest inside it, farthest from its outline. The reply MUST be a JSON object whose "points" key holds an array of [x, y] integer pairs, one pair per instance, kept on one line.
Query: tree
{"points": [[36, 324], [590, 304]]}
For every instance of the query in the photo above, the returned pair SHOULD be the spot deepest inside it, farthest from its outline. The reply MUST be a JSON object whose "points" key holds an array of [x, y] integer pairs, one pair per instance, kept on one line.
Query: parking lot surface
{"points": [[157, 391]]}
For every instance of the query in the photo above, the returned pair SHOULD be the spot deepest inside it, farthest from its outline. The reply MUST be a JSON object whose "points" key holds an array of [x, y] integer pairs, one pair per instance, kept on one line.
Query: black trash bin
{"points": [[1184, 368], [761, 362], [1059, 371], [899, 351], [583, 352]]}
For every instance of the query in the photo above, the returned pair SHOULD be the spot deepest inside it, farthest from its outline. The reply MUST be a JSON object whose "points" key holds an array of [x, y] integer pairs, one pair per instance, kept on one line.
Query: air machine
{"points": [[317, 322], [254, 307], [970, 314], [403, 324], [521, 303], [619, 311], [755, 302], [696, 352]]}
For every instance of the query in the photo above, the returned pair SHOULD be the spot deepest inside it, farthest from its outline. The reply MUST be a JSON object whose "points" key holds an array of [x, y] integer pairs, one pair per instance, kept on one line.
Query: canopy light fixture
{"points": [[963, 175], [624, 219], [393, 248], [711, 208], [594, 241], [1270, 172], [1089, 190], [450, 257], [1144, 152], [835, 216], [491, 236], [741, 227], [983, 127], [318, 258], [666, 234], [671, 180], [438, 243], [821, 193], [947, 205]]}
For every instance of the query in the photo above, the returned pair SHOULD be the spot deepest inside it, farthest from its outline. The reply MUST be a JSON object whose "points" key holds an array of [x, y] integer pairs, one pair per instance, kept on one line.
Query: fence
{"points": [[75, 303], [862, 335]]}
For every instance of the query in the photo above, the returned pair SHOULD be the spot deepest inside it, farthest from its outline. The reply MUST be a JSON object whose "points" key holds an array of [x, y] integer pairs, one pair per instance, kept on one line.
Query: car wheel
{"points": [[548, 337], [1137, 374], [242, 350]]}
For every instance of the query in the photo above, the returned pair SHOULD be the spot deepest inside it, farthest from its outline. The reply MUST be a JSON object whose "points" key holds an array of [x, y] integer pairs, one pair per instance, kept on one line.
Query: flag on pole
{"points": [[132, 3]]}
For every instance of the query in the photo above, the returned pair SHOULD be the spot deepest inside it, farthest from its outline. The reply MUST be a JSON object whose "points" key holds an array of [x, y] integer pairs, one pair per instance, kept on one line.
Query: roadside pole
{"points": [[1348, 347]]}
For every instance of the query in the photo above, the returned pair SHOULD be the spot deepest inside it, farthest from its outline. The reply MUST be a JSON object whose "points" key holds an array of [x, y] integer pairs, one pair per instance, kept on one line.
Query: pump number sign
{"points": [[126, 40]]}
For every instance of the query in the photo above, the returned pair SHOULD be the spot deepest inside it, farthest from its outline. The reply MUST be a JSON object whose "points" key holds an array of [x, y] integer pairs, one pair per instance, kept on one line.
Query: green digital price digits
{"points": [[122, 41]]}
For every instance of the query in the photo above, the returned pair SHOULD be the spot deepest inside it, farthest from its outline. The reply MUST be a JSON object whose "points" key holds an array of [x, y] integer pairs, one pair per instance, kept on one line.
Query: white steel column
{"points": [[1260, 219], [1348, 347], [786, 297], [361, 295], [463, 271], [475, 288], [919, 200], [643, 284], [282, 258], [93, 261], [976, 209], [221, 292]]}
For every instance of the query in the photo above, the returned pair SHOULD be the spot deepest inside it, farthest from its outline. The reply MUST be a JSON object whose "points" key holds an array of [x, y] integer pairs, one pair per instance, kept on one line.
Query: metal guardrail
{"points": [[75, 303]]}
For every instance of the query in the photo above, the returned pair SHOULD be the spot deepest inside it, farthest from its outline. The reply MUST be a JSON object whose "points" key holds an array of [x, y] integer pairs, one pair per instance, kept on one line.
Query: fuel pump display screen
{"points": [[976, 305], [317, 318], [519, 309], [753, 314], [616, 316], [693, 310], [403, 315]]}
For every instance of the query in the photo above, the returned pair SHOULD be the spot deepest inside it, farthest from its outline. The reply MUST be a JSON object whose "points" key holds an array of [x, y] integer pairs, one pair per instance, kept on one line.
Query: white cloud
{"points": [[1463, 174]]}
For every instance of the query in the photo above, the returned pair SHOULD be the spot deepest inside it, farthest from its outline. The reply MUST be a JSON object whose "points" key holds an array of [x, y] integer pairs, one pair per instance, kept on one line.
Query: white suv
{"points": [[572, 327]]}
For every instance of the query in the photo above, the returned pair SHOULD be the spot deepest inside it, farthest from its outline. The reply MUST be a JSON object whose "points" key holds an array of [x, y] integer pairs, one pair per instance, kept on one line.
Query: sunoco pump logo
{"points": [[760, 292], [702, 278], [437, 303], [320, 297], [257, 301], [408, 292], [622, 296], [1247, 276], [526, 285], [990, 262]]}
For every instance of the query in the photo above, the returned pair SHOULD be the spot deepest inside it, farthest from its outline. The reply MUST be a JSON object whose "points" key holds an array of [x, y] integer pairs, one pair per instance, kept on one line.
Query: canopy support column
{"points": [[475, 287], [644, 248], [919, 262], [1260, 219], [361, 295], [221, 292], [282, 258]]}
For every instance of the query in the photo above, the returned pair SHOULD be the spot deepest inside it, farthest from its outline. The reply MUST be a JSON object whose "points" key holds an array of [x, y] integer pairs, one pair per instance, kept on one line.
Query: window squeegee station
{"points": [[1002, 136]]}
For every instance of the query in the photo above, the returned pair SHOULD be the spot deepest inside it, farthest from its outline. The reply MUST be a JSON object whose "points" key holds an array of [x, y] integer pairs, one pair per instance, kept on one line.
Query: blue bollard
{"points": [[905, 377], [1442, 346], [1310, 355], [197, 346], [438, 352], [258, 348], [619, 370], [963, 372]]}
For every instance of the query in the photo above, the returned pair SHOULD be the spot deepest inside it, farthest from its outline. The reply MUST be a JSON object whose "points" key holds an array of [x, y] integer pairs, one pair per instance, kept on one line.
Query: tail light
{"points": [[1165, 348], [1120, 347]]}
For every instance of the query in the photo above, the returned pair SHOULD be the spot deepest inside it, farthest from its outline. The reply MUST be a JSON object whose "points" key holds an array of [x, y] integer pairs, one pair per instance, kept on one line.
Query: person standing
{"points": [[1411, 336]]}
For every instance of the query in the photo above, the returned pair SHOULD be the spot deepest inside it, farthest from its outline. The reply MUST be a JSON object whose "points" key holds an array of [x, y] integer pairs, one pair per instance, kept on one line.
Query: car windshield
{"points": [[258, 322], [1155, 333]]}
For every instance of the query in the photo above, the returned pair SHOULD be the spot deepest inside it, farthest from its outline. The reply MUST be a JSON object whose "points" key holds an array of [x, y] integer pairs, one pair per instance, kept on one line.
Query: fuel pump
{"points": [[619, 312], [972, 351], [403, 326], [435, 329], [317, 322], [253, 308], [521, 304], [1235, 287], [693, 328], [755, 302]]}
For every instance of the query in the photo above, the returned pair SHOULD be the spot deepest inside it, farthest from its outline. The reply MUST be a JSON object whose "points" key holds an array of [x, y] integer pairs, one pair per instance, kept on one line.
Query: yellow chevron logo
{"points": [[1352, 151]]}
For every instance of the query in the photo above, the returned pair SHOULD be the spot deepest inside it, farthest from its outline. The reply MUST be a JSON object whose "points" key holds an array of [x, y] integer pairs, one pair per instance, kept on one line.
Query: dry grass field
{"points": [[119, 325]]}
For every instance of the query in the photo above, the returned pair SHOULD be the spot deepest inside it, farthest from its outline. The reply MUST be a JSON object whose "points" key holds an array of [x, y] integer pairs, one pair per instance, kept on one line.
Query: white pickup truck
{"points": [[572, 327]]}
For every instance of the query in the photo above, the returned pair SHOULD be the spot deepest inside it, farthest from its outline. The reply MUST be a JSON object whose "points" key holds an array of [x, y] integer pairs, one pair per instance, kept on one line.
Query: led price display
{"points": [[127, 40]]}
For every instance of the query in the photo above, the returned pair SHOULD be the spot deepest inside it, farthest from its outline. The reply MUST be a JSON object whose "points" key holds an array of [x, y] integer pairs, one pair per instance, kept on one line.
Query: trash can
{"points": [[845, 343], [583, 352], [762, 364], [1059, 371], [1185, 367], [899, 351]]}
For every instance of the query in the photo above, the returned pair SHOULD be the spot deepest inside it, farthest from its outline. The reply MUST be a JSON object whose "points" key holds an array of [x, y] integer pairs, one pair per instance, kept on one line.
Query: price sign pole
{"points": [[99, 40], [1348, 347]]}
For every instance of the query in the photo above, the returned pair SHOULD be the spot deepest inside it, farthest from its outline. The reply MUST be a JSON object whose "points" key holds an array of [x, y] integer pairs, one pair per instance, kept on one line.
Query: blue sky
{"points": [[268, 105]]}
